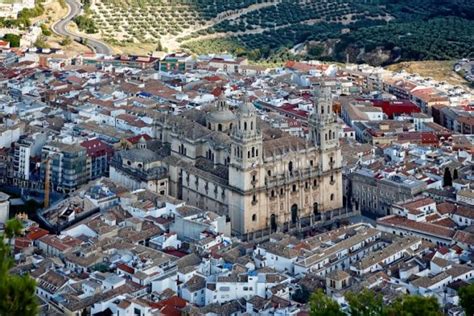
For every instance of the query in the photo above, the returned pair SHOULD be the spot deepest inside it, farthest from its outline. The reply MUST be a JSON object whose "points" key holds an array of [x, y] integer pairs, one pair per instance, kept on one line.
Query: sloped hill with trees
{"points": [[374, 31]]}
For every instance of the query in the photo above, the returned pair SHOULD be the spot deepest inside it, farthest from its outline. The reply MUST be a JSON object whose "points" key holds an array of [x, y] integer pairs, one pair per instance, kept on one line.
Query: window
{"points": [[281, 191], [254, 217], [332, 196], [306, 185], [311, 163], [272, 194], [315, 183], [290, 167], [254, 198], [294, 187], [245, 126], [269, 173], [254, 178]]}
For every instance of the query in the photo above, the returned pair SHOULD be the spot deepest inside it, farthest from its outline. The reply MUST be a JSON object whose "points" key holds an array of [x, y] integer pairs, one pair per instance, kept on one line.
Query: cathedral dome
{"points": [[221, 116], [221, 113]]}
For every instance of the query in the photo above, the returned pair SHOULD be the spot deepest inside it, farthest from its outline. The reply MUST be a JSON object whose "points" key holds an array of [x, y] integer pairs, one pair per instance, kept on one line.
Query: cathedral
{"points": [[262, 178]]}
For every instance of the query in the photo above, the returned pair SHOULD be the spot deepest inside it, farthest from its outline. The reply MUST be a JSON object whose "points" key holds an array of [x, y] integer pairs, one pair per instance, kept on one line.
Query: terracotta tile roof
{"points": [[427, 228], [126, 268], [464, 237], [35, 233]]}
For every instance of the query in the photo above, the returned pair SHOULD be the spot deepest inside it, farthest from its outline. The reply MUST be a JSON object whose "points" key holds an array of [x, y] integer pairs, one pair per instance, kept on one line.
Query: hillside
{"points": [[374, 31]]}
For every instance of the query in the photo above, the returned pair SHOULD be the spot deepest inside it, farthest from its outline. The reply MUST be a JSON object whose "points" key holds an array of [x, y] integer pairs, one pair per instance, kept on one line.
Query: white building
{"points": [[4, 207], [25, 149]]}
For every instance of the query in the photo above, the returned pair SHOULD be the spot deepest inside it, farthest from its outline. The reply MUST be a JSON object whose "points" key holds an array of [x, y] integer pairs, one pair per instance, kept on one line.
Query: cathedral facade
{"points": [[262, 178]]}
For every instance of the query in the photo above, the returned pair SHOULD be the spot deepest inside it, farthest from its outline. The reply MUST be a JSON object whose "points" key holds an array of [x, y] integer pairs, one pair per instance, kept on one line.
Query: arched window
{"points": [[333, 135], [248, 154], [281, 191], [269, 172], [254, 217], [251, 125], [219, 127], [245, 126], [315, 209], [256, 152], [272, 194], [290, 167], [326, 136], [253, 151], [332, 196]]}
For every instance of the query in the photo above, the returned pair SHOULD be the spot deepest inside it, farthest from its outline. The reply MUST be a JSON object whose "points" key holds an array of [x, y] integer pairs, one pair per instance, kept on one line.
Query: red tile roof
{"points": [[422, 227], [136, 139], [125, 268], [35, 233], [96, 148]]}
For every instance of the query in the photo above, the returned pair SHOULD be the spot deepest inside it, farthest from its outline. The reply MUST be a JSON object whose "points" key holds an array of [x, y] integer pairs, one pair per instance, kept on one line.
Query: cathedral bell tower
{"points": [[323, 122], [246, 171], [324, 134], [246, 148]]}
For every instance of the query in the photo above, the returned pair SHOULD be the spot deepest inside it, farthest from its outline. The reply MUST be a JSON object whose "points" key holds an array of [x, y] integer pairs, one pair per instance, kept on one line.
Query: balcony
{"points": [[290, 177]]}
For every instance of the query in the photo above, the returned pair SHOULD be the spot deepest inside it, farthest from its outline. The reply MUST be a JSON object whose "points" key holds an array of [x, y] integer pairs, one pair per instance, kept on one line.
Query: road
{"points": [[60, 28]]}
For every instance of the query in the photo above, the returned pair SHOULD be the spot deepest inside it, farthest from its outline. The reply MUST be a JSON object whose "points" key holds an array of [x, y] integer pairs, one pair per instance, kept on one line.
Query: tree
{"points": [[365, 303], [322, 305], [447, 179], [466, 295], [66, 41], [17, 293], [413, 305], [159, 47], [301, 295], [41, 42], [13, 227], [45, 30], [13, 39]]}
